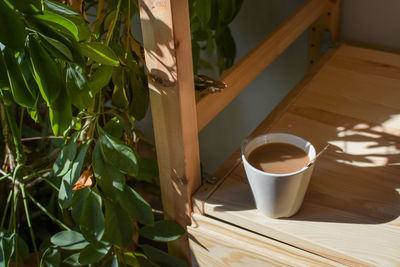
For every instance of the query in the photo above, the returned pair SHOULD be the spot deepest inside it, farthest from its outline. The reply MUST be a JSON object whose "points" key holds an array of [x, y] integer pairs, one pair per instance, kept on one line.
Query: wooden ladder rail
{"points": [[176, 116]]}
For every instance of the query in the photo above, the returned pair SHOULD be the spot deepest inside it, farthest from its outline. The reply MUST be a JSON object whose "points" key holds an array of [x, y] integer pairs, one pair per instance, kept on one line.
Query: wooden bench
{"points": [[350, 98]]}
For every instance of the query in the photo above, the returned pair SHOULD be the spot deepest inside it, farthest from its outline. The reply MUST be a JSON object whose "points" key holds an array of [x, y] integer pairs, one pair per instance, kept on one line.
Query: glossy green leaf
{"points": [[3, 72], [140, 93], [119, 97], [203, 10], [81, 95], [118, 226], [51, 258], [162, 258], [72, 260], [46, 72], [64, 161], [61, 113], [93, 253], [78, 203], [92, 219], [27, 6], [100, 53], [66, 193], [69, 240], [59, 21], [162, 231], [12, 33], [112, 262], [136, 206], [110, 179], [144, 260], [6, 247], [59, 8], [131, 259], [114, 128], [56, 48], [117, 154], [17, 81], [100, 78], [148, 170], [84, 32]]}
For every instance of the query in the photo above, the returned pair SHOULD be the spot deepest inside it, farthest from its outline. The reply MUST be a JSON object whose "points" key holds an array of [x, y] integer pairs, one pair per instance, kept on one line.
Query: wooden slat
{"points": [[166, 37], [351, 212], [250, 66], [215, 243]]}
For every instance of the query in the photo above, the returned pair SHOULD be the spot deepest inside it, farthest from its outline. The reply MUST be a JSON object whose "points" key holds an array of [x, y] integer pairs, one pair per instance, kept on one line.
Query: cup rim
{"points": [[247, 141]]}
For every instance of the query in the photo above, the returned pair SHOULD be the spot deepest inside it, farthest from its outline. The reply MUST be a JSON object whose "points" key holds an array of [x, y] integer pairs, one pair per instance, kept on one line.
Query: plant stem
{"points": [[111, 31], [5, 176], [15, 134], [36, 173], [100, 7], [6, 208], [22, 186], [51, 216]]}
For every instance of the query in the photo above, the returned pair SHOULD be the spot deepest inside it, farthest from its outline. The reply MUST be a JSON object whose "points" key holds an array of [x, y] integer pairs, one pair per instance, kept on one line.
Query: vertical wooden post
{"points": [[168, 54], [328, 22]]}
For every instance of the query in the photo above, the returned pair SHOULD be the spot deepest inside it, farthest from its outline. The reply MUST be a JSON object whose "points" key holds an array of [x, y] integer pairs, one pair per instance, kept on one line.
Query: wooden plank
{"points": [[351, 212], [167, 45], [250, 66], [214, 243], [327, 22]]}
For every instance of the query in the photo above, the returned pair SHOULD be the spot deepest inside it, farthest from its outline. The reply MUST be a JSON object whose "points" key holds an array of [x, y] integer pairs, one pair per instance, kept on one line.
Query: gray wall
{"points": [[365, 22]]}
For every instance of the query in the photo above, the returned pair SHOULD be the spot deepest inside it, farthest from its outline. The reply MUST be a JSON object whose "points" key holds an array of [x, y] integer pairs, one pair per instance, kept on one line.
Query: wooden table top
{"points": [[351, 211]]}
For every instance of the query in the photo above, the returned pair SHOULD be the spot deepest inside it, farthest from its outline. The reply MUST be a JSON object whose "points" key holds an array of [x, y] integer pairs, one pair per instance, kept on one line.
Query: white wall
{"points": [[256, 19]]}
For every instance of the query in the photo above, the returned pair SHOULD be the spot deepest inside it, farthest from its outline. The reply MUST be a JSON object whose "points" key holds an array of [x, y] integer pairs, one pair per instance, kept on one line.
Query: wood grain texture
{"points": [[351, 210], [251, 65], [214, 243], [167, 45]]}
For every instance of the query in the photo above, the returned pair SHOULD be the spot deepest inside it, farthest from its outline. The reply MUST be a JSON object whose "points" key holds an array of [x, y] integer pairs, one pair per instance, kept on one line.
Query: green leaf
{"points": [[59, 8], [118, 226], [140, 93], [59, 21], [93, 253], [119, 97], [100, 78], [112, 262], [100, 53], [72, 260], [114, 128], [23, 250], [203, 10], [3, 72], [64, 161], [12, 33], [69, 240], [162, 258], [66, 193], [148, 170], [78, 203], [226, 49], [6, 247], [27, 6], [136, 206], [117, 154], [61, 113], [51, 258], [81, 96], [46, 72], [162, 231], [91, 221], [84, 32], [56, 48], [130, 259], [16, 80], [110, 179]]}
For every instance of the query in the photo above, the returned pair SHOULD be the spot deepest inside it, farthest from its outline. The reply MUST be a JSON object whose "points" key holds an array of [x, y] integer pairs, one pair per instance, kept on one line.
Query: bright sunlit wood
{"points": [[351, 212]]}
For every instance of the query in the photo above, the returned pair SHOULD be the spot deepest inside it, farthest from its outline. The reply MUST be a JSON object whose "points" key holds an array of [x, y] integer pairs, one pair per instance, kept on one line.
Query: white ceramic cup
{"points": [[278, 195]]}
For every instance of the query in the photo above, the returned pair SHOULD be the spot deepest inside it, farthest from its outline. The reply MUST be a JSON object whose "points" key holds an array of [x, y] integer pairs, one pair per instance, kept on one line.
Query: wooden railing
{"points": [[250, 66]]}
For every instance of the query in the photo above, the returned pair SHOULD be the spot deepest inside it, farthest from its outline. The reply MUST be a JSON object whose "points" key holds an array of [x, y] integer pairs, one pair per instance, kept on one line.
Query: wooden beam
{"points": [[327, 22], [250, 66], [168, 54]]}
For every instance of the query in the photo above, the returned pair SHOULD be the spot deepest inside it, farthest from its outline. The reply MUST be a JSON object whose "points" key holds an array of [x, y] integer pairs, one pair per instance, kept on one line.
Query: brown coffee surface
{"points": [[278, 158]]}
